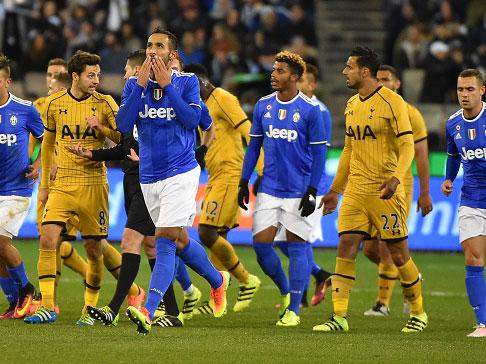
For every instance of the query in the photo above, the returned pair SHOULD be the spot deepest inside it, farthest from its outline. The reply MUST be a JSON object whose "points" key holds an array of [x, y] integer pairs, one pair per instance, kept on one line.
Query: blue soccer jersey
{"points": [[325, 180], [206, 121], [467, 138], [288, 130], [166, 120], [18, 118]]}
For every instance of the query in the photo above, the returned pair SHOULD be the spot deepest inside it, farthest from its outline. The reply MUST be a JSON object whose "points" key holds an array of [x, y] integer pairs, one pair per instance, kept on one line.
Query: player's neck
{"points": [[77, 93], [4, 98], [287, 95], [472, 113], [207, 91], [367, 88]]}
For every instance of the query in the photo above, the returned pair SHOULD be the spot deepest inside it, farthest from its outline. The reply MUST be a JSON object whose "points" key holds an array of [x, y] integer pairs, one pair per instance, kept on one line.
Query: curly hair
{"points": [[295, 62]]}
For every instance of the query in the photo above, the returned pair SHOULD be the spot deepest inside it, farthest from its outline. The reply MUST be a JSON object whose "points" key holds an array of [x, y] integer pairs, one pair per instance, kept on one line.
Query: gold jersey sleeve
{"points": [[419, 130], [225, 154], [377, 128], [66, 118], [39, 104]]}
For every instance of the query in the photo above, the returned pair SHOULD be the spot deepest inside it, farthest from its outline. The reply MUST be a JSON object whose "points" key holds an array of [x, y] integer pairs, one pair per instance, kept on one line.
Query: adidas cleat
{"points": [[160, 311], [141, 318], [104, 314], [85, 320], [416, 323], [41, 316], [246, 293], [218, 301], [190, 301], [289, 319], [285, 302], [378, 309], [168, 321], [336, 323], [204, 309]]}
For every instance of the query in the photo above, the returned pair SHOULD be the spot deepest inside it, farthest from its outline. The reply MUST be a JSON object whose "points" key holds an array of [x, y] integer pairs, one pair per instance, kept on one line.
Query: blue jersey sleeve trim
{"points": [[322, 142], [251, 157]]}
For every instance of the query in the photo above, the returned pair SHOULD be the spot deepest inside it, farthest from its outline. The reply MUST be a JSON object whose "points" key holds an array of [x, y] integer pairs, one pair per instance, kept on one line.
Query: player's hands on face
{"points": [[243, 194], [446, 187], [133, 156], [161, 72], [388, 188], [53, 172], [79, 150], [329, 201], [308, 202], [43, 195], [424, 203], [94, 123], [144, 72]]}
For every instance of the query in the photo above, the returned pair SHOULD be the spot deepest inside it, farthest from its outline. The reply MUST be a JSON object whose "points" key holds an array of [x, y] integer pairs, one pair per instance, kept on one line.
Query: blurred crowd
{"points": [[442, 37]]}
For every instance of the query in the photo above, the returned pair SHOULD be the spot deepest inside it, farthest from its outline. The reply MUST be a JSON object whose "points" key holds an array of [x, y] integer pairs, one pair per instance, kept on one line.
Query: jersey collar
{"points": [[8, 101], [370, 95], [287, 102], [477, 117]]}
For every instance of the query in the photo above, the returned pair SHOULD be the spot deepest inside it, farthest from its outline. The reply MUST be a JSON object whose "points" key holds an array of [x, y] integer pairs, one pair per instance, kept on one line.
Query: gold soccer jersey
{"points": [[66, 120], [376, 128]]}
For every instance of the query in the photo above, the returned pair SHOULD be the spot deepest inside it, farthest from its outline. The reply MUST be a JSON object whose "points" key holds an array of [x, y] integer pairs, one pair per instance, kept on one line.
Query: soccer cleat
{"points": [[141, 318], [37, 302], [26, 297], [218, 301], [379, 309], [136, 301], [289, 319], [480, 331], [8, 314], [85, 320], [416, 323], [160, 311], [190, 301], [285, 302], [204, 309], [246, 292], [41, 316], [320, 292], [336, 323], [104, 314], [169, 321]]}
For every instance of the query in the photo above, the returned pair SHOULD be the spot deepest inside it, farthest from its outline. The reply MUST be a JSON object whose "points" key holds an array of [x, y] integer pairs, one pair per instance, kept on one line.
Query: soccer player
{"points": [[165, 107], [466, 145], [18, 118], [307, 84], [224, 159], [377, 154], [80, 188], [377, 251], [290, 128]]}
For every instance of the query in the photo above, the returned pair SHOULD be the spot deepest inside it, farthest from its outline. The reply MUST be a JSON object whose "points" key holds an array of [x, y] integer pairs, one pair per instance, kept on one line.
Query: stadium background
{"points": [[428, 41]]}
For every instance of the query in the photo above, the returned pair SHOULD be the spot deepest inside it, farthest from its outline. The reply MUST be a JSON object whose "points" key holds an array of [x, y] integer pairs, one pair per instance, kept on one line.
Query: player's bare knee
{"points": [[93, 249], [170, 233], [371, 251], [348, 246], [131, 241]]}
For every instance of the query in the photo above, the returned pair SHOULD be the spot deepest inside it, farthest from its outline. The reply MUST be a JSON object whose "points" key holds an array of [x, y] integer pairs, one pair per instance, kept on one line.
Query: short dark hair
{"points": [[391, 69], [366, 57], [80, 60], [63, 78], [295, 62], [57, 62], [312, 70], [5, 64], [172, 38], [198, 69], [136, 58], [472, 72]]}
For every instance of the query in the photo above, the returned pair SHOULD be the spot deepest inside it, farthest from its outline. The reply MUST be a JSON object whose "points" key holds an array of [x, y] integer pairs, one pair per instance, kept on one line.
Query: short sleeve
{"points": [[316, 127], [418, 124], [256, 129], [451, 144], [34, 123], [191, 91], [206, 121]]}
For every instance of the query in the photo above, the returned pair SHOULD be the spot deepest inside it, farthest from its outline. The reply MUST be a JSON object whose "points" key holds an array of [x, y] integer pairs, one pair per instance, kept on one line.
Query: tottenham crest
{"points": [[157, 93]]}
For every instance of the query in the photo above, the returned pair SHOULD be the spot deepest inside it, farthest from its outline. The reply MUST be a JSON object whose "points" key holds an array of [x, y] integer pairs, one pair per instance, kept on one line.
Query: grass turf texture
{"points": [[251, 336]]}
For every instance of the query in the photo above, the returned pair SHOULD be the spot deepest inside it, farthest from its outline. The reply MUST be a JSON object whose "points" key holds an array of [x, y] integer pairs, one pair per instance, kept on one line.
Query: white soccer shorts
{"points": [[172, 202], [282, 213], [472, 222], [13, 211]]}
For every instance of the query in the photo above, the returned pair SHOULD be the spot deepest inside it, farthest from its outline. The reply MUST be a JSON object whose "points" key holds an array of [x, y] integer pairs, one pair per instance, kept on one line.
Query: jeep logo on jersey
{"points": [[277, 133], [470, 154], [8, 139], [161, 113], [157, 93], [13, 120]]}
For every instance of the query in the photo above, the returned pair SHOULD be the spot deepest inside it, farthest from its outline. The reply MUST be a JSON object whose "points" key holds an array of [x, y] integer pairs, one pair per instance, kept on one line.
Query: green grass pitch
{"points": [[251, 336]]}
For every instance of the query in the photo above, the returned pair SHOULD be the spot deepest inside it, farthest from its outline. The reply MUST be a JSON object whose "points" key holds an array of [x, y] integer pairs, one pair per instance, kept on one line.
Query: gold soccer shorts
{"points": [[366, 214], [89, 204], [220, 206]]}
